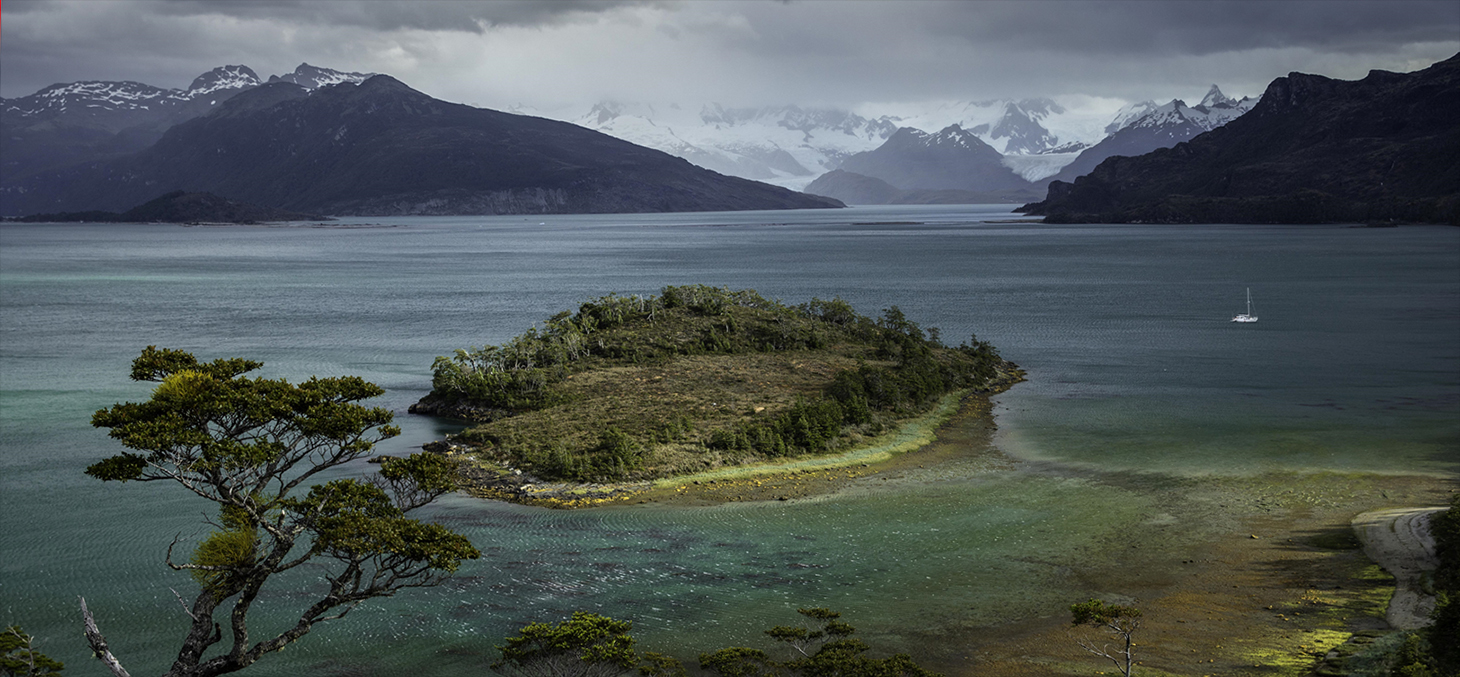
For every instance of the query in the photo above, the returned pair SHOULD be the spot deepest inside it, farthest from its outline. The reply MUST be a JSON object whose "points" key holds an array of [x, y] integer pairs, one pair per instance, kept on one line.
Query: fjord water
{"points": [[1137, 383]]}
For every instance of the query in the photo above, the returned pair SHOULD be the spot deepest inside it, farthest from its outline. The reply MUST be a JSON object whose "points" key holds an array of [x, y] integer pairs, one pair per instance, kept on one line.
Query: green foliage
{"points": [[248, 444], [807, 428], [586, 645], [526, 374], [1113, 619], [228, 550], [18, 657], [739, 661], [824, 648], [1096, 613], [1413, 658], [1444, 633], [689, 320]]}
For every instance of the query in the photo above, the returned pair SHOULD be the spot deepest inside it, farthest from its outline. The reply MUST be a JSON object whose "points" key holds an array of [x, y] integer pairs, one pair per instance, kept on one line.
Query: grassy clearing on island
{"points": [[697, 379]]}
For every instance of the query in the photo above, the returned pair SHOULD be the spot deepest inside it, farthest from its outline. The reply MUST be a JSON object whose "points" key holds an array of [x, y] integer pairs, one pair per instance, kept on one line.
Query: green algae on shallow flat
{"points": [[765, 481]]}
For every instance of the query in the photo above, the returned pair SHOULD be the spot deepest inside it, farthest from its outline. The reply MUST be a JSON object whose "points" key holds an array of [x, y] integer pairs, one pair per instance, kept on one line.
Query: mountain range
{"points": [[378, 147], [1147, 126], [1003, 150], [952, 165], [791, 146], [67, 124], [1314, 150], [966, 168]]}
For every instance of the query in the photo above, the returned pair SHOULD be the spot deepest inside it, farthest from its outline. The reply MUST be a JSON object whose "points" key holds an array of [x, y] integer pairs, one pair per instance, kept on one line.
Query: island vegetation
{"points": [[635, 388], [590, 645]]}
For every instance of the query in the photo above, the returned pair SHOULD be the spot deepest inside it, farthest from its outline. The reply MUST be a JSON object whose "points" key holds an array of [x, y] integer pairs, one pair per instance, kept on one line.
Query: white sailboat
{"points": [[1247, 316]]}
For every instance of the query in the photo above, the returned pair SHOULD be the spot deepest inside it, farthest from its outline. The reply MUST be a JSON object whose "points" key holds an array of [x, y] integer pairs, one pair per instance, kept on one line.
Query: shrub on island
{"points": [[633, 388]]}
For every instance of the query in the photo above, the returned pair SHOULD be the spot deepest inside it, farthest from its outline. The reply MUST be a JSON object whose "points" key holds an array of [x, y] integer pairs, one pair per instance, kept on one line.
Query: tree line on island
{"points": [[533, 414]]}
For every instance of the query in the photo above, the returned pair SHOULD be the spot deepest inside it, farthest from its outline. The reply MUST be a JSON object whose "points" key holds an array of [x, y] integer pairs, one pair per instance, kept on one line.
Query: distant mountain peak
{"points": [[222, 78], [314, 77], [1215, 99], [1128, 114]]}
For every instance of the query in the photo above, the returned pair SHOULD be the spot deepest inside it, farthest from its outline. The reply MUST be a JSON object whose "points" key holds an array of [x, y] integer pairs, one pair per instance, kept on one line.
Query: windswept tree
{"points": [[1114, 622], [586, 645], [251, 446], [824, 647], [18, 657]]}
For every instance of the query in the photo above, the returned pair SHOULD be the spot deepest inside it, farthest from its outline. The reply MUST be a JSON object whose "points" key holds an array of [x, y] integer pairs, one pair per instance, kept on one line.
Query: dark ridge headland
{"points": [[1384, 149]]}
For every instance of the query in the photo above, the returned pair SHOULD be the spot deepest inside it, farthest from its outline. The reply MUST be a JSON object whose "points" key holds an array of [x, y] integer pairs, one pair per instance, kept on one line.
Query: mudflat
{"points": [[1273, 581], [1289, 584]]}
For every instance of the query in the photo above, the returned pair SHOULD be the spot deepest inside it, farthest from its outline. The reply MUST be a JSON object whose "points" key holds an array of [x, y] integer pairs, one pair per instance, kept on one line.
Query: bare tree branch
{"points": [[98, 644], [184, 604]]}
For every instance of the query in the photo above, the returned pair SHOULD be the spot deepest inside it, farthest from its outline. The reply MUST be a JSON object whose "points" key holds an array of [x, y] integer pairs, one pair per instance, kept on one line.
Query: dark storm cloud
{"points": [[447, 15], [502, 52], [1150, 28], [168, 42]]}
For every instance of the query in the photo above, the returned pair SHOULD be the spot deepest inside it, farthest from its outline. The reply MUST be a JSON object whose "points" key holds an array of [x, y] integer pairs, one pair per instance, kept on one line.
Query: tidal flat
{"points": [[1151, 439], [1256, 575]]}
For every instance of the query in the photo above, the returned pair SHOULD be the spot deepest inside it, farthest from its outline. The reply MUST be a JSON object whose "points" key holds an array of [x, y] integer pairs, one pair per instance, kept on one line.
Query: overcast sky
{"points": [[550, 54]]}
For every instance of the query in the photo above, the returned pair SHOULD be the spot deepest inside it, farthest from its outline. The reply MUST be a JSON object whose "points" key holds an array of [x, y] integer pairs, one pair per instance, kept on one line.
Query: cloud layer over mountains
{"points": [[499, 54]]}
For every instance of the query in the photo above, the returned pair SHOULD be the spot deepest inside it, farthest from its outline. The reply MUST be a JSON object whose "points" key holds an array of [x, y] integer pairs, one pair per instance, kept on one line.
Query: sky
{"points": [[849, 54]]}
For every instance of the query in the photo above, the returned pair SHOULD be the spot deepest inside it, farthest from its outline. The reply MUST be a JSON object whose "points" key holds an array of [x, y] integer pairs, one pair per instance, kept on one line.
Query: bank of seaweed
{"points": [[632, 389]]}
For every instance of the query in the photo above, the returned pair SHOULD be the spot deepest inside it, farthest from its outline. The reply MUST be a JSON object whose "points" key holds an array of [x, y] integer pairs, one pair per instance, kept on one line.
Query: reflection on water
{"points": [[1145, 408]]}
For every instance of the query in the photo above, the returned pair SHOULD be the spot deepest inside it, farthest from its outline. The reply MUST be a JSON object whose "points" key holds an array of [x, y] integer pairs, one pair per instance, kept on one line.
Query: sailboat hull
{"points": [[1247, 316]]}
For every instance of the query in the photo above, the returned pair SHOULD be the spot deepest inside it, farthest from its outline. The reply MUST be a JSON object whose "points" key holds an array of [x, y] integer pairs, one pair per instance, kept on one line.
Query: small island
{"points": [[181, 207], [628, 391]]}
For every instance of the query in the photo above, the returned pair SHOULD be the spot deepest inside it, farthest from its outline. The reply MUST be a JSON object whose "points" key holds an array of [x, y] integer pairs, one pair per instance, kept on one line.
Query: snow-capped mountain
{"points": [[950, 159], [1019, 127], [76, 122], [314, 77], [1176, 118], [97, 98], [790, 146], [1128, 114], [787, 146], [222, 79], [404, 153], [1014, 127], [1160, 126]]}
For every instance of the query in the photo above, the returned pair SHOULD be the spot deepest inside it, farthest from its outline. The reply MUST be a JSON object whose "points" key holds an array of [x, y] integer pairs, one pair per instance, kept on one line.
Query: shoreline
{"points": [[779, 480], [782, 480], [1284, 589], [1399, 540]]}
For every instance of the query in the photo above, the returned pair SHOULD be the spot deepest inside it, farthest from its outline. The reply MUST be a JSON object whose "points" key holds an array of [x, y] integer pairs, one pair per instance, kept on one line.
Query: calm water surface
{"points": [[1134, 371]]}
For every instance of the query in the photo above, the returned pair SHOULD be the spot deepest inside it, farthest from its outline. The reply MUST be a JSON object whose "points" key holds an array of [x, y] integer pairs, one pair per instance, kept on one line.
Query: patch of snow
{"points": [[1128, 114], [314, 77], [1038, 166]]}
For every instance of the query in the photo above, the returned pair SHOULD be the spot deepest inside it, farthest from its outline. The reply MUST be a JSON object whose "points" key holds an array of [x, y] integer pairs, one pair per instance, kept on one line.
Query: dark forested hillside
{"points": [[382, 148], [1314, 150]]}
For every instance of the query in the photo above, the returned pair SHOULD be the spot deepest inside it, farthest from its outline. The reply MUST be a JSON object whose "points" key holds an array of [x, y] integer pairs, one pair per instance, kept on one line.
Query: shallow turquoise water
{"points": [[1134, 369]]}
